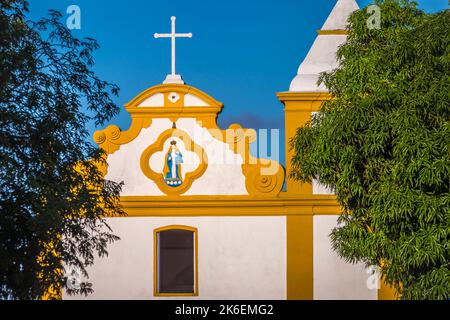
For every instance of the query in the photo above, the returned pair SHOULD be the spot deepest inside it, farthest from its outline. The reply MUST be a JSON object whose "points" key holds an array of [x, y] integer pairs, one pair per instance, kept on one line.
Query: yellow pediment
{"points": [[170, 99]]}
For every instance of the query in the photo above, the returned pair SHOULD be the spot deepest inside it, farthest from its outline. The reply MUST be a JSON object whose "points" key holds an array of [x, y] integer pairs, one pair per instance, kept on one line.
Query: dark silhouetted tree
{"points": [[53, 196]]}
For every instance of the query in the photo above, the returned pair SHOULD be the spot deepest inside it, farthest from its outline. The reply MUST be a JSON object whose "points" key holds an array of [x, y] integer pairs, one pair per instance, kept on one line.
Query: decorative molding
{"points": [[260, 184], [303, 101], [338, 32], [166, 89], [158, 177], [173, 97], [263, 177], [303, 96], [111, 138], [178, 206]]}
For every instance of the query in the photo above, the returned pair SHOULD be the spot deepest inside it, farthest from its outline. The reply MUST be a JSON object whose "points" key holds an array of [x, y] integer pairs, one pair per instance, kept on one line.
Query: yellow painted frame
{"points": [[229, 206], [336, 32], [158, 177], [299, 230], [111, 138], [155, 261]]}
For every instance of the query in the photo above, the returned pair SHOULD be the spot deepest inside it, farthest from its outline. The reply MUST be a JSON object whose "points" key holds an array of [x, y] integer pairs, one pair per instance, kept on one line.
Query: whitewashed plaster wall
{"points": [[238, 258], [333, 278]]}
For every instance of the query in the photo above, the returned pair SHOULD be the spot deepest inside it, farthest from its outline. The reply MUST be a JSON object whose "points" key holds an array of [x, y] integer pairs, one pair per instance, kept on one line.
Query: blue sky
{"points": [[242, 52]]}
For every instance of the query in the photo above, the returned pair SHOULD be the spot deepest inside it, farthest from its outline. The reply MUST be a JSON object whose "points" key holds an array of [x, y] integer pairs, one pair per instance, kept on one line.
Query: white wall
{"points": [[320, 188], [333, 278], [238, 258]]}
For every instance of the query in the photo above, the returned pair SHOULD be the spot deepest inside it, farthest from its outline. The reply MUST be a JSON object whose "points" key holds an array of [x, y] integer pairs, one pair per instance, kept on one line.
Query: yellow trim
{"points": [[337, 32], [173, 112], [176, 110], [290, 99], [168, 88], [386, 292], [179, 206], [111, 138], [158, 177], [300, 257], [155, 261], [299, 228], [298, 108], [264, 178]]}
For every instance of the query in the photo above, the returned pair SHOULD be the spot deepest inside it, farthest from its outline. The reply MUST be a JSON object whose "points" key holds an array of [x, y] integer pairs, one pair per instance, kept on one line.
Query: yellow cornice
{"points": [[337, 32], [164, 112], [303, 101], [138, 206], [303, 96]]}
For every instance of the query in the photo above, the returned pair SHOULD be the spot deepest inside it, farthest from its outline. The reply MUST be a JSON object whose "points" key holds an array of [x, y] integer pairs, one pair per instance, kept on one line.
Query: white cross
{"points": [[173, 77]]}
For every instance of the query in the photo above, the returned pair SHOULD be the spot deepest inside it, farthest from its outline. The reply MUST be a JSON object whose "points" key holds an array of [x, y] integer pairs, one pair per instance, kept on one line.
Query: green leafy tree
{"points": [[53, 196], [383, 144]]}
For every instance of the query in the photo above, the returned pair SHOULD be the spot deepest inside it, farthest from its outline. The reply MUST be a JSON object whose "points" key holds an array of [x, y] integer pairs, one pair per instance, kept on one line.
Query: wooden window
{"points": [[175, 261]]}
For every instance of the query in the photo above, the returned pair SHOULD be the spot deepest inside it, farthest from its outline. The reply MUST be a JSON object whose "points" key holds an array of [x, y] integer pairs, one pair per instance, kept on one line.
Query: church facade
{"points": [[208, 220]]}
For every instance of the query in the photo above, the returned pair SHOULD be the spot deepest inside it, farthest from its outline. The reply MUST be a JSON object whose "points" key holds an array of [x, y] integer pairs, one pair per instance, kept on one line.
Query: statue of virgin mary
{"points": [[172, 165]]}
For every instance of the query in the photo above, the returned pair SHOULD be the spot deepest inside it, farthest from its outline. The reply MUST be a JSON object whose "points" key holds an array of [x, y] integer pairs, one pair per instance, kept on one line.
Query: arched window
{"points": [[175, 265]]}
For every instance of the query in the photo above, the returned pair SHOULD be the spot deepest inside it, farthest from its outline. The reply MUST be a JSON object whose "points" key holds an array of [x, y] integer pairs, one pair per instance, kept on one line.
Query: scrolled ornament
{"points": [[260, 184], [113, 132], [99, 137]]}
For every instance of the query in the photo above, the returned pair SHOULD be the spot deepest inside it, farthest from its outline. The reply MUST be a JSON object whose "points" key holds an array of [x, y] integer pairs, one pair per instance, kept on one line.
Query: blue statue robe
{"points": [[172, 168]]}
